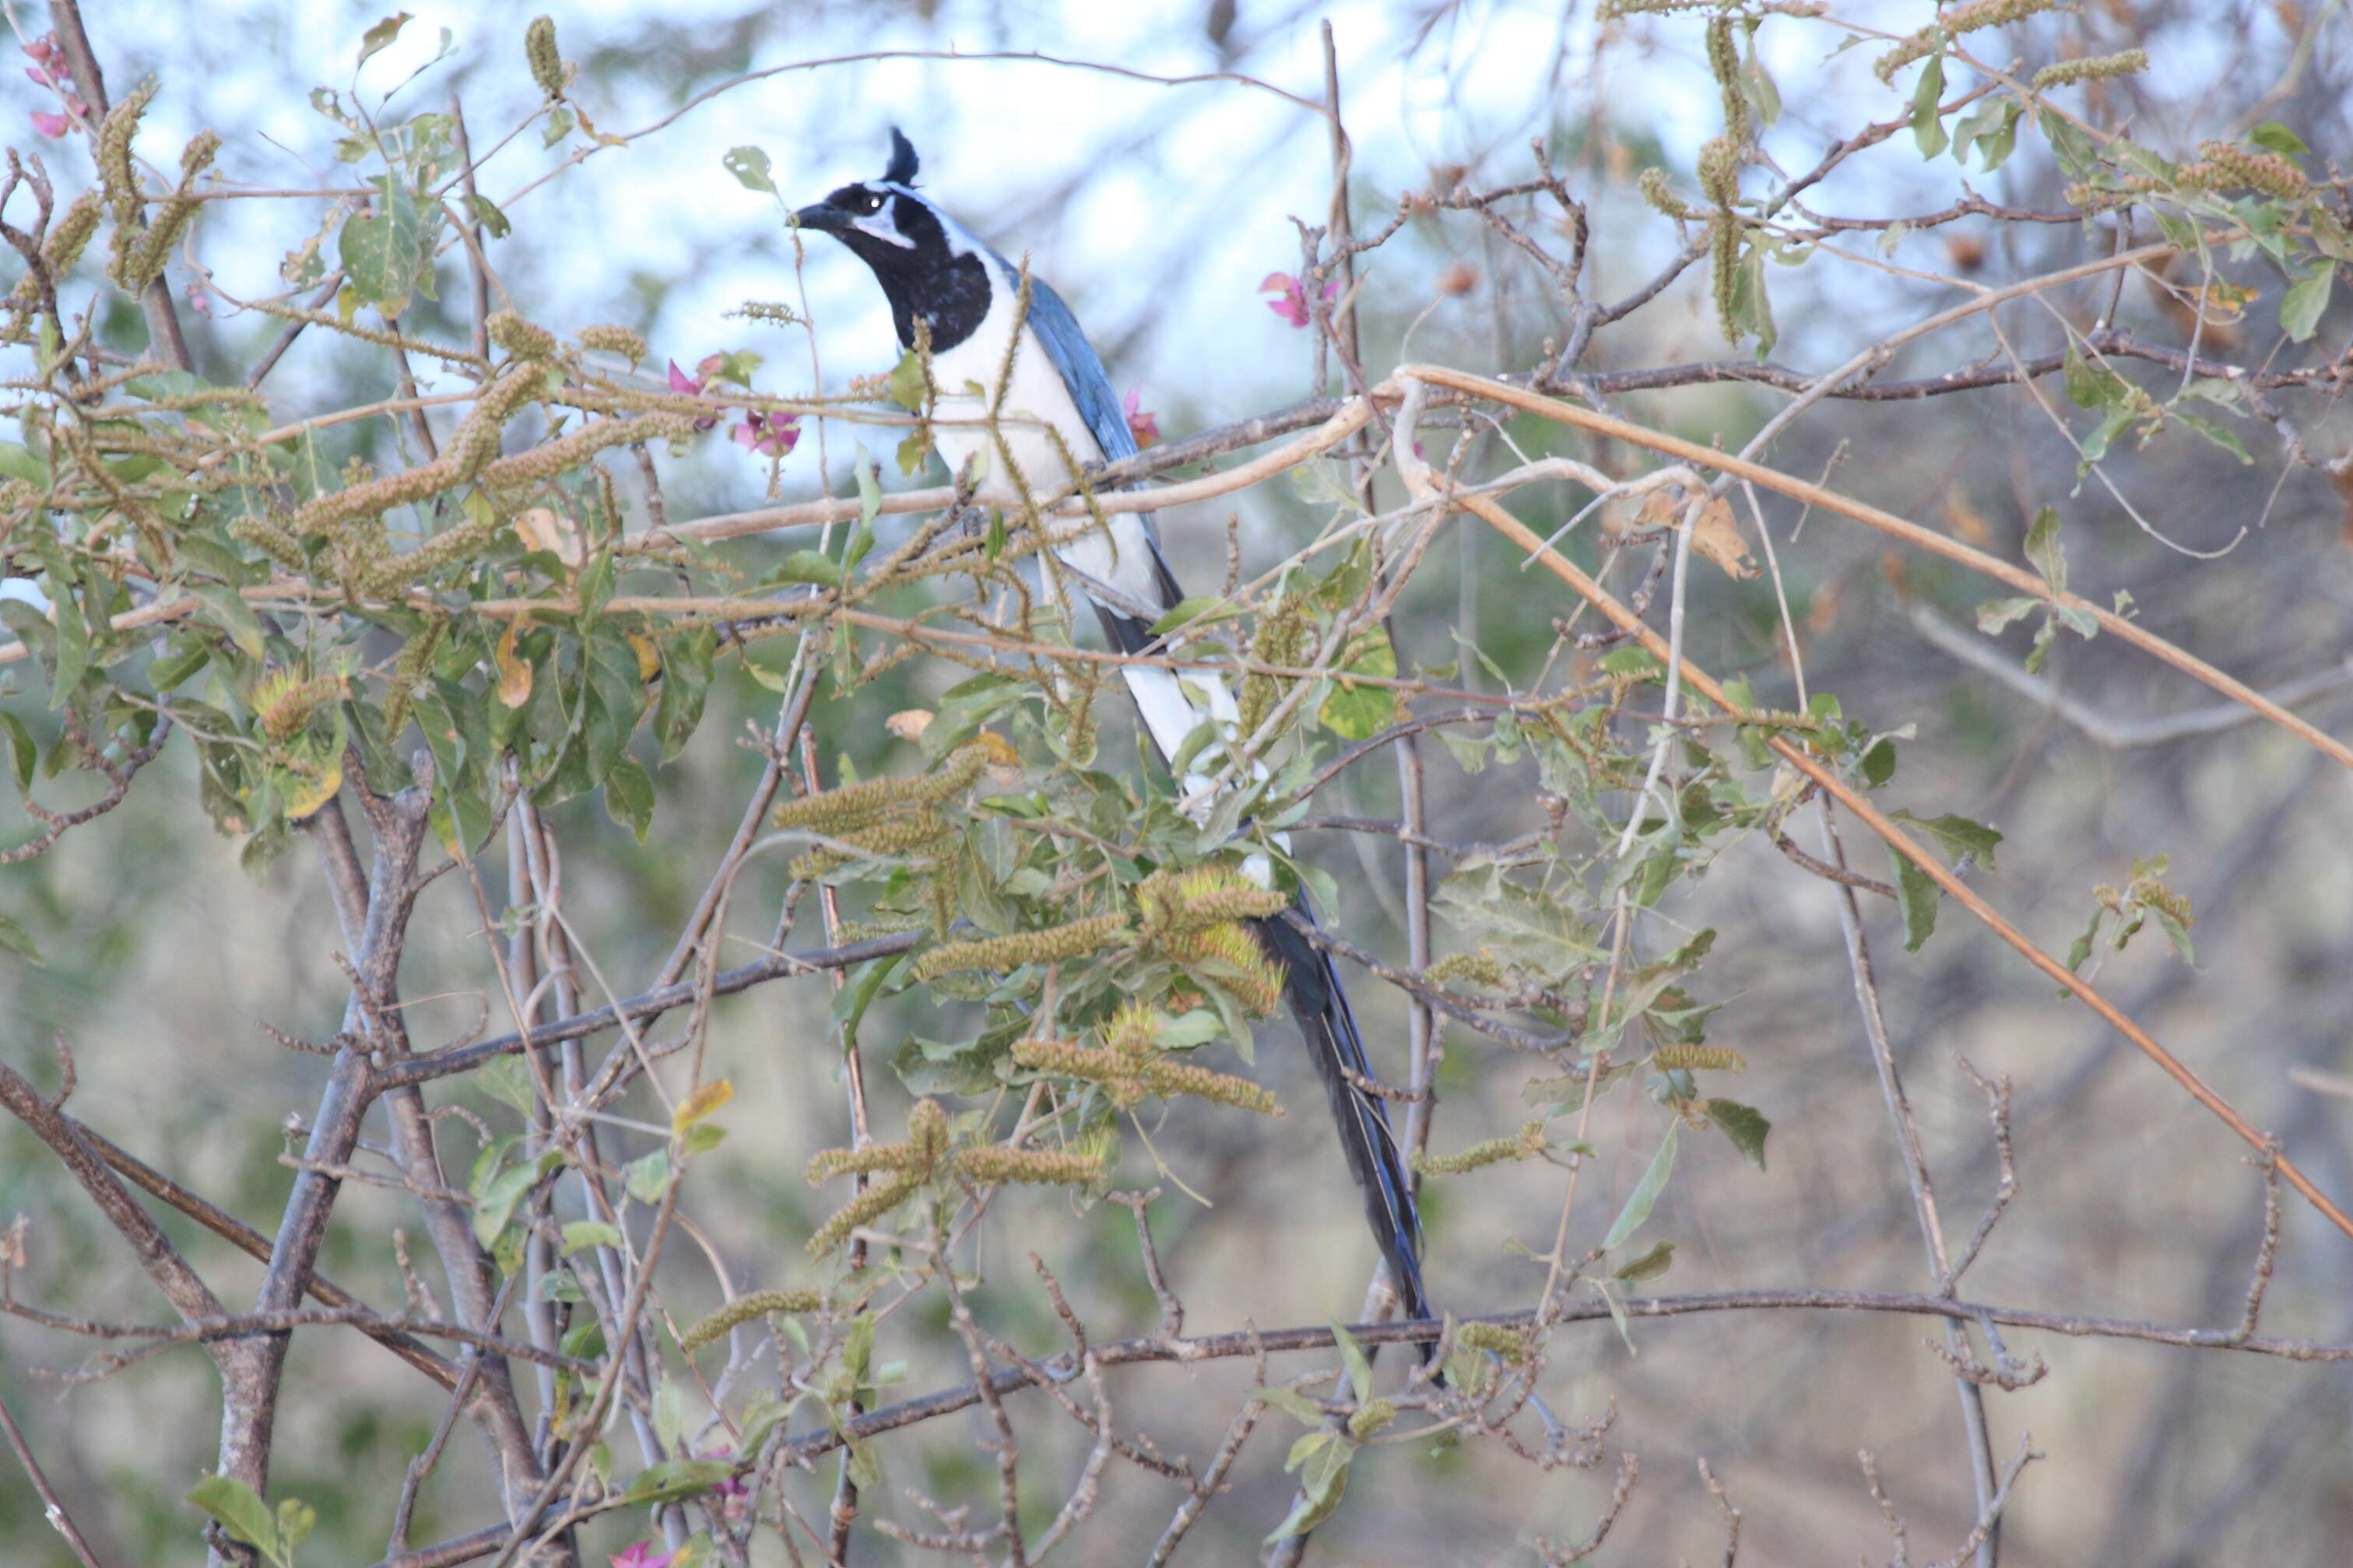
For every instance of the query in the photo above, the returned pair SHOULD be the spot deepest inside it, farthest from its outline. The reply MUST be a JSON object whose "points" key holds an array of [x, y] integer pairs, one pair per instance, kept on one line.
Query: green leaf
{"points": [[1185, 612], [1322, 1459], [1360, 713], [1352, 1357], [1752, 308], [1745, 1126], [378, 38], [1928, 128], [1292, 1401], [677, 1479], [583, 1232], [487, 214], [761, 1417], [630, 796], [1879, 763], [1916, 895], [1993, 614], [2043, 550], [808, 567], [749, 167], [1631, 660], [646, 1178], [1645, 1194], [2089, 384], [225, 608], [508, 1081], [384, 252], [2301, 306], [2271, 133], [14, 938], [869, 491], [296, 1520], [240, 1510], [906, 386], [2328, 237], [494, 1202], [1956, 836], [2073, 147], [23, 753], [1650, 1266], [18, 462]]}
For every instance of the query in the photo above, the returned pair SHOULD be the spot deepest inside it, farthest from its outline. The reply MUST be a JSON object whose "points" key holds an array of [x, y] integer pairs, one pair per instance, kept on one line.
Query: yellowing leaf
{"points": [[649, 657], [908, 723], [307, 794], [514, 673], [1004, 762], [1716, 537], [542, 528], [706, 1100], [1967, 522]]}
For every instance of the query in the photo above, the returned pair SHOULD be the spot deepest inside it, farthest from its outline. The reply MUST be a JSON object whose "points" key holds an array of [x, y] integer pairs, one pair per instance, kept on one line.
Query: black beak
{"points": [[822, 216]]}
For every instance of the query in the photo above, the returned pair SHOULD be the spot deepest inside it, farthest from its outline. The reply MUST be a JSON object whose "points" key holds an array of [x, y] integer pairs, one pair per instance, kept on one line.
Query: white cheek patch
{"points": [[881, 227]]}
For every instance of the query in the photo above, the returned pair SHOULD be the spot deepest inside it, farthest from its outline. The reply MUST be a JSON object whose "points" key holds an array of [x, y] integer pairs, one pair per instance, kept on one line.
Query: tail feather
{"points": [[1317, 1001], [1366, 1139]]}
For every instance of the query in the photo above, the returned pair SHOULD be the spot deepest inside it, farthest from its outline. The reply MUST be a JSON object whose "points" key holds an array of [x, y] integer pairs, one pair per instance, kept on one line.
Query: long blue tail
{"points": [[1366, 1141], [1320, 1006]]}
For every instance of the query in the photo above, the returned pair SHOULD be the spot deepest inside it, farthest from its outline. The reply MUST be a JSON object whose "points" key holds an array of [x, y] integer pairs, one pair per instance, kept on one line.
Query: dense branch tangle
{"points": [[529, 609]]}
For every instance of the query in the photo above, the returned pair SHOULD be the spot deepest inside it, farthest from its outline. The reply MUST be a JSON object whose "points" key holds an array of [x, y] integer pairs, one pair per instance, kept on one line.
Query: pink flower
{"points": [[1145, 427], [1293, 305], [641, 1556], [770, 434], [48, 69], [733, 1486], [686, 386], [200, 300]]}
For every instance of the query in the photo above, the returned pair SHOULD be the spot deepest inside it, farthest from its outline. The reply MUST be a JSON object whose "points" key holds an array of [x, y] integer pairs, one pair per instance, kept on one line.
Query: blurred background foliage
{"points": [[1155, 210]]}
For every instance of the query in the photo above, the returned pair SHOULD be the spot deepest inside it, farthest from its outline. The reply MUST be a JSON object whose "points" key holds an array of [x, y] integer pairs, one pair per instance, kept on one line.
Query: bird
{"points": [[969, 301]]}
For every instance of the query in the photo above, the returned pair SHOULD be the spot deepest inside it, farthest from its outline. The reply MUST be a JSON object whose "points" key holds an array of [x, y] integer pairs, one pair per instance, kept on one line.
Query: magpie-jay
{"points": [[934, 270]]}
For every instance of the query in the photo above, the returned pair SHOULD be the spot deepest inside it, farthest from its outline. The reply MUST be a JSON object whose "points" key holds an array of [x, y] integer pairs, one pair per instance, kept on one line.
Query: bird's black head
{"points": [[927, 264]]}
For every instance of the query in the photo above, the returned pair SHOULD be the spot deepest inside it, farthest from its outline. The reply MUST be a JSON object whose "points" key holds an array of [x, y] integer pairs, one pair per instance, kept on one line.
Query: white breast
{"points": [[1120, 556]]}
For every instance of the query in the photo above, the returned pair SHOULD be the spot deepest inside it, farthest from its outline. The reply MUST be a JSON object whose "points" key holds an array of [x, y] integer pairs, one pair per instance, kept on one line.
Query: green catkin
{"points": [[285, 703], [2092, 68], [1129, 1065], [547, 62], [70, 235], [849, 806], [1698, 1058], [1282, 640], [614, 340], [743, 1309], [2224, 167], [1961, 19], [1051, 946], [1506, 1345], [1652, 183], [115, 175], [925, 1156], [1479, 968], [519, 337], [1527, 1143], [1724, 63]]}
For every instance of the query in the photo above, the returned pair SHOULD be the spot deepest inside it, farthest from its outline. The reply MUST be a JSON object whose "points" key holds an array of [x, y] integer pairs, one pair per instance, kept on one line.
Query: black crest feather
{"points": [[901, 171]]}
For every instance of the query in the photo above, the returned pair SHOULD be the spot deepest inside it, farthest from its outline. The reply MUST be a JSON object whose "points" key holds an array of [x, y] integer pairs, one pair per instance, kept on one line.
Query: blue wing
{"points": [[1074, 358]]}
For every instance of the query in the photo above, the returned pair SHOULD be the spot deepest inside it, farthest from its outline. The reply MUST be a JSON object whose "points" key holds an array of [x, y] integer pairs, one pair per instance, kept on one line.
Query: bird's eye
{"points": [[869, 202]]}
